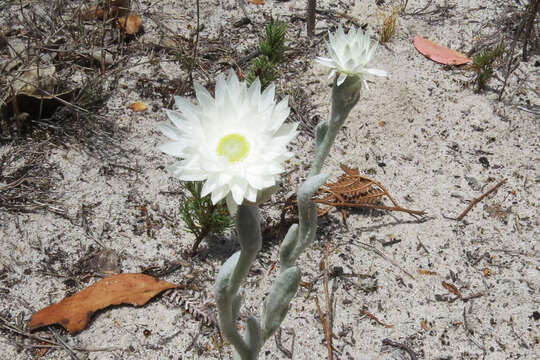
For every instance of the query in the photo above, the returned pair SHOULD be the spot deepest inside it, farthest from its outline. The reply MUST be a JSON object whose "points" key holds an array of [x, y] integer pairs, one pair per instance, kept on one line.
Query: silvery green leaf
{"points": [[276, 304]]}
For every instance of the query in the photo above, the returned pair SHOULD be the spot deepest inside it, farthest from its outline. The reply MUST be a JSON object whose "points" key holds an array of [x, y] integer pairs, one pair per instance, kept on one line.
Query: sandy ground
{"points": [[423, 132]]}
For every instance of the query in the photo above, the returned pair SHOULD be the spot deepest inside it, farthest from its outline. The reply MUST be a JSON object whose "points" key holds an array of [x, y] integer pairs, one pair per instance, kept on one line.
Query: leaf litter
{"points": [[74, 312]]}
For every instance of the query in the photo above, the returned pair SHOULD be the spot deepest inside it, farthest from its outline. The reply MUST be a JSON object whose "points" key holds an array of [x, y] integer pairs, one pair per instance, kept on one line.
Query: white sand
{"points": [[435, 130]]}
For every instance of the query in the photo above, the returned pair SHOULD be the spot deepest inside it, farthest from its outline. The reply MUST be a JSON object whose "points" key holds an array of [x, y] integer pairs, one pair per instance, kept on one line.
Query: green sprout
{"points": [[201, 217], [483, 65], [272, 50]]}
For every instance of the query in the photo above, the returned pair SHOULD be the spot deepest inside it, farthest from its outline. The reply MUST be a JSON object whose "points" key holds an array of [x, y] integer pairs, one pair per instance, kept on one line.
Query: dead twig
{"points": [[66, 347], [327, 300], [311, 5], [477, 200], [374, 318], [280, 346], [324, 323], [404, 347], [376, 251], [195, 44], [4, 324]]}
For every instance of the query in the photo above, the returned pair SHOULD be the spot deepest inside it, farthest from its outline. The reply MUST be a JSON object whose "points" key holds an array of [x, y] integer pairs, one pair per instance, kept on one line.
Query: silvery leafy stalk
{"points": [[237, 143]]}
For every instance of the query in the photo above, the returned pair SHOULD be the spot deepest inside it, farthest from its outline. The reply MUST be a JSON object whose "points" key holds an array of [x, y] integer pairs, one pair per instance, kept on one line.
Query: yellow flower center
{"points": [[234, 147]]}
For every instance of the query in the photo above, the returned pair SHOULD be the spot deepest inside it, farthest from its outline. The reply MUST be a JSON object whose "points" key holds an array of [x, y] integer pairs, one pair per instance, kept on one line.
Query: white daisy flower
{"points": [[235, 142], [349, 55]]}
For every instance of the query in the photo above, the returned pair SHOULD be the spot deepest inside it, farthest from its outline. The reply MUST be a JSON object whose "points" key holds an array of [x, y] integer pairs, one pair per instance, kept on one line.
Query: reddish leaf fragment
{"points": [[439, 53], [454, 290], [74, 312]]}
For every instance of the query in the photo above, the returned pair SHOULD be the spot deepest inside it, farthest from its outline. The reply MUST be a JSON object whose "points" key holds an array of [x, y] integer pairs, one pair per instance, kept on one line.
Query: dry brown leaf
{"points": [[138, 106], [257, 2], [454, 290], [131, 24], [425, 325], [426, 272], [439, 53], [74, 312], [351, 190]]}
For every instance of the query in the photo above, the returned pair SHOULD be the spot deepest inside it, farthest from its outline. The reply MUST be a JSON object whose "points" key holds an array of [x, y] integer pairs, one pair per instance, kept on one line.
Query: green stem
{"points": [[344, 98], [235, 271]]}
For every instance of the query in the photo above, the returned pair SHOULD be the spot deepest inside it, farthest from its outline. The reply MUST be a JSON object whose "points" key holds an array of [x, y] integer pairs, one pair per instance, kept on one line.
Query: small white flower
{"points": [[349, 55], [236, 142]]}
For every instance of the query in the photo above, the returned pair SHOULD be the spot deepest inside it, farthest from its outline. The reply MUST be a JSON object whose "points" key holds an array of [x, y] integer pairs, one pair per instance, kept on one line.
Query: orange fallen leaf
{"points": [[257, 2], [454, 290], [439, 53], [74, 312], [426, 272], [138, 106], [425, 325], [131, 24]]}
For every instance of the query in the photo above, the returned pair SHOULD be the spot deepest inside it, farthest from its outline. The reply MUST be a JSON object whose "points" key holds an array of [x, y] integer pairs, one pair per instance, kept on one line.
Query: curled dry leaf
{"points": [[131, 24], [452, 288], [74, 312], [439, 53], [138, 106], [257, 2]]}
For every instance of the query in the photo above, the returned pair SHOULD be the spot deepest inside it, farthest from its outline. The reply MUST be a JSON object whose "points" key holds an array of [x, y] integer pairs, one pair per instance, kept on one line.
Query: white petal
{"points": [[341, 79], [210, 185], [169, 131], [178, 119], [255, 181], [203, 96], [173, 148], [185, 106], [254, 91], [376, 72], [332, 73], [231, 205], [365, 84], [325, 61], [251, 194], [219, 194], [268, 94], [238, 190], [221, 89]]}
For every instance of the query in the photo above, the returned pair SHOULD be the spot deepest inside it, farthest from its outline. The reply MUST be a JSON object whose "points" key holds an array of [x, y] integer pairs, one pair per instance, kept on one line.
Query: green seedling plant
{"points": [[201, 217], [237, 143], [483, 65], [272, 52]]}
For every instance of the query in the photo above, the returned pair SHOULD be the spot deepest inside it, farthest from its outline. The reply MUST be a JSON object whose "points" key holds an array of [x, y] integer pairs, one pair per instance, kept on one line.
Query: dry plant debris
{"points": [[352, 190], [439, 53], [117, 9], [138, 106], [74, 312], [452, 288], [130, 24], [477, 200]]}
